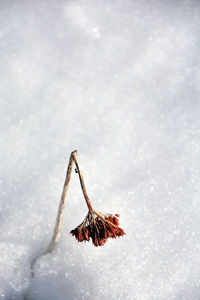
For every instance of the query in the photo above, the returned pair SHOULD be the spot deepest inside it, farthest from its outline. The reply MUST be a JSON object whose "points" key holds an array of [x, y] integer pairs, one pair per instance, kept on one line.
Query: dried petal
{"points": [[86, 233]]}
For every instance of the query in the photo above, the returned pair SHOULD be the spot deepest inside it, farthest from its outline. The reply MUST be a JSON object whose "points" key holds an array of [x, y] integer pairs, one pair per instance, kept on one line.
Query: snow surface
{"points": [[119, 81]]}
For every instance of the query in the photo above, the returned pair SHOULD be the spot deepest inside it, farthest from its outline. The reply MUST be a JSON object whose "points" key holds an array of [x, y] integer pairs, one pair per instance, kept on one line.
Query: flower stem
{"points": [[78, 170], [57, 230], [58, 225]]}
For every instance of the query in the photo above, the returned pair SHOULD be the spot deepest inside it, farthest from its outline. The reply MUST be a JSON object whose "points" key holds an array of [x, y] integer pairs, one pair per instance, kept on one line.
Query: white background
{"points": [[118, 80]]}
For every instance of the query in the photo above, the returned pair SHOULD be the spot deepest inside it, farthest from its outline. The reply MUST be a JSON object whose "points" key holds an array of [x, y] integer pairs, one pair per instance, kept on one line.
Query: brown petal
{"points": [[86, 233]]}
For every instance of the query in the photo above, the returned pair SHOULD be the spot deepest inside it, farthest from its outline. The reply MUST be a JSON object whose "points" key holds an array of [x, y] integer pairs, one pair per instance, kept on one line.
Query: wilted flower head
{"points": [[99, 227]]}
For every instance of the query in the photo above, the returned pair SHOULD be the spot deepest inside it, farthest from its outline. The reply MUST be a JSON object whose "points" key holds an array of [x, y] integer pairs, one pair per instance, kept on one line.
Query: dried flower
{"points": [[99, 227]]}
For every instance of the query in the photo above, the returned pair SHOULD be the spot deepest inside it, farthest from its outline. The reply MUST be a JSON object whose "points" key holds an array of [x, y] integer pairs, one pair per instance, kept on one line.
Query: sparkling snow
{"points": [[119, 81]]}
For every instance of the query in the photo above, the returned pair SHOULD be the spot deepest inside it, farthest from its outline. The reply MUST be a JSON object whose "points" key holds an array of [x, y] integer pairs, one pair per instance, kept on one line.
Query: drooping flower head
{"points": [[98, 226]]}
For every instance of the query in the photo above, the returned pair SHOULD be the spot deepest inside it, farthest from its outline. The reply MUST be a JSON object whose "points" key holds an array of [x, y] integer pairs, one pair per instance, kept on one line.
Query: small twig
{"points": [[58, 225], [59, 219], [78, 170]]}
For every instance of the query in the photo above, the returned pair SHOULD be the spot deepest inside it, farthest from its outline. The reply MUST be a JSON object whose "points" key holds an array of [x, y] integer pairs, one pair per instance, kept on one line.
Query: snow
{"points": [[119, 82]]}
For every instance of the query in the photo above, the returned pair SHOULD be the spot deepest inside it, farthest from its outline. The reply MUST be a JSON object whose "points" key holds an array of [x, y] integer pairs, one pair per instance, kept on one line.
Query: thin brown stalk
{"points": [[57, 230], [78, 170], [59, 219]]}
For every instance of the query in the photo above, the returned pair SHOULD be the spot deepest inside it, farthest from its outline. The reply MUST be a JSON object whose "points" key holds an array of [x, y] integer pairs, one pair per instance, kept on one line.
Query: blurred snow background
{"points": [[119, 81]]}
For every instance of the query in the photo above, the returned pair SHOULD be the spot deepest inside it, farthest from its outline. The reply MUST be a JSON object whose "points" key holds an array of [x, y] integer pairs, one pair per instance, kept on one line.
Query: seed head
{"points": [[98, 227]]}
